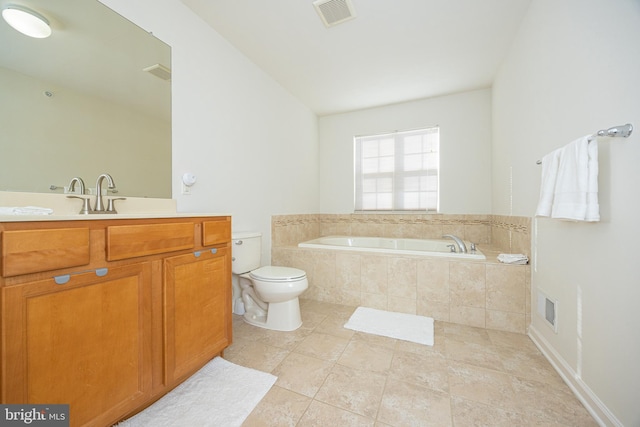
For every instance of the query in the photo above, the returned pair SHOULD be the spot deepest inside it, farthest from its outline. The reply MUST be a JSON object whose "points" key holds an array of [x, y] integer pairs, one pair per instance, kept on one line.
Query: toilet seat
{"points": [[277, 274]]}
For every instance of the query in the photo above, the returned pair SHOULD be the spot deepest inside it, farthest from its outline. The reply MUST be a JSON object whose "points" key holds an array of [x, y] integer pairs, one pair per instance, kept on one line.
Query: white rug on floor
{"points": [[219, 394], [407, 327]]}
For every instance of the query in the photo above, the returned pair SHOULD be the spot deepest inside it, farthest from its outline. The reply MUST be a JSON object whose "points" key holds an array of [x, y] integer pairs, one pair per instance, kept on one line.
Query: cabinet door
{"points": [[197, 293], [86, 343]]}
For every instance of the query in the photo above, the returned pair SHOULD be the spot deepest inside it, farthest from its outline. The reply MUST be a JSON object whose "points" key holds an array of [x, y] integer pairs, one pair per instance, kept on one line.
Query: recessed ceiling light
{"points": [[26, 21]]}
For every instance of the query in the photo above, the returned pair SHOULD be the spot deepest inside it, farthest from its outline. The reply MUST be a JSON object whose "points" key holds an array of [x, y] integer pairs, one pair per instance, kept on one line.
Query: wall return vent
{"points": [[548, 310], [334, 12]]}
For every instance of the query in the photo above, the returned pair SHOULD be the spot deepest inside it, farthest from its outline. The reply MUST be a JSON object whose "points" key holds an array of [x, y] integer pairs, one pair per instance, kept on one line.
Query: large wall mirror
{"points": [[80, 103]]}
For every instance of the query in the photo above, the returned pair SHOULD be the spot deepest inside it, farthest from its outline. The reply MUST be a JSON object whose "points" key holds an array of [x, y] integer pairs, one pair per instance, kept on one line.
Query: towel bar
{"points": [[623, 131], [613, 132]]}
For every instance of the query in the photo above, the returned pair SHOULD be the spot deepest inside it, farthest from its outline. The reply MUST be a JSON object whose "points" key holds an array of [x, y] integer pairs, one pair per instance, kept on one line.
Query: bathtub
{"points": [[422, 247]]}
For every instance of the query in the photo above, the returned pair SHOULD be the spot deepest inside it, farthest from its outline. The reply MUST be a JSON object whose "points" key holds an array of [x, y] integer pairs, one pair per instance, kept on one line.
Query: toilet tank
{"points": [[246, 250]]}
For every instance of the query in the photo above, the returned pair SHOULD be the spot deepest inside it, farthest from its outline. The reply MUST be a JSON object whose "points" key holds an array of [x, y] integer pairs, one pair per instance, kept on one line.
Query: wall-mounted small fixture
{"points": [[26, 21], [188, 179], [159, 71]]}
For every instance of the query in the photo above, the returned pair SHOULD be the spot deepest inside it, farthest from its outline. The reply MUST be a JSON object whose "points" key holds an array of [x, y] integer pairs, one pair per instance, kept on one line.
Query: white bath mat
{"points": [[407, 327], [219, 394]]}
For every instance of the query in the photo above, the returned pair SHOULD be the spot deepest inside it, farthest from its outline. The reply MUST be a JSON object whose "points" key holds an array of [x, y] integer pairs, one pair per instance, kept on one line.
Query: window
{"points": [[397, 171]]}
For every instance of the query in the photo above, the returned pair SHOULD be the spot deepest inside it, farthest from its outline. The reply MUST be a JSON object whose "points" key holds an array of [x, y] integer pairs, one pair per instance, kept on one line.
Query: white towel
{"points": [[25, 210], [550, 164], [513, 258], [572, 172], [593, 206]]}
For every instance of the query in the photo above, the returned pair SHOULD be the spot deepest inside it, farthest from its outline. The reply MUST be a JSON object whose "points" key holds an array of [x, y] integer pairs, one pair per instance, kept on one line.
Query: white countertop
{"points": [[95, 217], [65, 209]]}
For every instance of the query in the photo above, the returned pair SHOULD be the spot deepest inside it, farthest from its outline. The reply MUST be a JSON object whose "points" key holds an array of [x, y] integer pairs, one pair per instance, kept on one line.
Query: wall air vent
{"points": [[333, 12], [159, 70], [548, 310]]}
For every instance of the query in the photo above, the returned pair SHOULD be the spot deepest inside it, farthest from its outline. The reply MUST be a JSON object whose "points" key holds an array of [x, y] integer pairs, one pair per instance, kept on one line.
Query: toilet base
{"points": [[280, 316]]}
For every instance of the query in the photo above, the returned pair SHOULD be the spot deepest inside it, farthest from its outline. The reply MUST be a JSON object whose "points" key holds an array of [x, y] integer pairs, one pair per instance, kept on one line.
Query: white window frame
{"points": [[397, 171]]}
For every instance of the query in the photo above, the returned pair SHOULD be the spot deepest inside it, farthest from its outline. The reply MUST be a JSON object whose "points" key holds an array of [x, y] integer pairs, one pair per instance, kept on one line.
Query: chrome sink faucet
{"points": [[461, 246], [86, 207], [99, 206], [72, 185]]}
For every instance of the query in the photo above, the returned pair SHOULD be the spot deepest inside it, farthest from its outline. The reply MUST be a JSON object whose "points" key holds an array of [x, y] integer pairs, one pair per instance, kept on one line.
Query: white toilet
{"points": [[269, 294]]}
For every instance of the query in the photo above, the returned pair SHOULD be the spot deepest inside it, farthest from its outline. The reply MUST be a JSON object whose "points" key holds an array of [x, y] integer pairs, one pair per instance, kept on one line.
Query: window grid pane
{"points": [[397, 171]]}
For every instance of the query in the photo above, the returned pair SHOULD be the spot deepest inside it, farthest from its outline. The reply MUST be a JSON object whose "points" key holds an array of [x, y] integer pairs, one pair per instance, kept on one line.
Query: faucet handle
{"points": [[86, 206], [111, 204]]}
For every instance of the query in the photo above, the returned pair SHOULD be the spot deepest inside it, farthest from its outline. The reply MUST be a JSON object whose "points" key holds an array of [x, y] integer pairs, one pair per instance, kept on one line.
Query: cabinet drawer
{"points": [[216, 232], [33, 251], [129, 241]]}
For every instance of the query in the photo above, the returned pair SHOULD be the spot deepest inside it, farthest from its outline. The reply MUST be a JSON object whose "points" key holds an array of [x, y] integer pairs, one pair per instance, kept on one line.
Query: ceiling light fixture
{"points": [[26, 21]]}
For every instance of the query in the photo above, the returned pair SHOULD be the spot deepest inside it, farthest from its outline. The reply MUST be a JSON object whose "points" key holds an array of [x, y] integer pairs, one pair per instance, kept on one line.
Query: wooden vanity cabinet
{"points": [[196, 310], [108, 328], [86, 342]]}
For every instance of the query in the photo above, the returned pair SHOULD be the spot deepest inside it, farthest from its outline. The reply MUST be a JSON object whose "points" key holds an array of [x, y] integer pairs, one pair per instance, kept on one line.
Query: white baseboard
{"points": [[591, 402]]}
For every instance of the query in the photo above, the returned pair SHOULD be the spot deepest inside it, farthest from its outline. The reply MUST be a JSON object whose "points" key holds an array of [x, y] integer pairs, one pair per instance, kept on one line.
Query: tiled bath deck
{"points": [[331, 376]]}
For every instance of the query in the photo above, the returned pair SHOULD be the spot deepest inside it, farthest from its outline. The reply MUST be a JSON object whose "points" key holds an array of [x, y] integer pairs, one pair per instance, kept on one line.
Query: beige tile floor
{"points": [[331, 376]]}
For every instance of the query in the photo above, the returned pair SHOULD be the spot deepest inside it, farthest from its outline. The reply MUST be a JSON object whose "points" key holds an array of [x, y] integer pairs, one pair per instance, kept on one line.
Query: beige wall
{"points": [[573, 69]]}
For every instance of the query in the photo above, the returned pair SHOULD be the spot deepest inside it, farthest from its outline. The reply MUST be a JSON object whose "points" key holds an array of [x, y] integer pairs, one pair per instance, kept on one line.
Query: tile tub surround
{"points": [[505, 233], [485, 293]]}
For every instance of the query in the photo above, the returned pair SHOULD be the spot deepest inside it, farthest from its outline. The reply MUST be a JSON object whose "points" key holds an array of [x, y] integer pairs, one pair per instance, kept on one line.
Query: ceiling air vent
{"points": [[333, 12]]}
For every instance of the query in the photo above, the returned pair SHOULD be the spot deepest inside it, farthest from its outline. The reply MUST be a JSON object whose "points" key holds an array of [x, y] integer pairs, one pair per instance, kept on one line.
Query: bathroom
{"points": [[558, 82]]}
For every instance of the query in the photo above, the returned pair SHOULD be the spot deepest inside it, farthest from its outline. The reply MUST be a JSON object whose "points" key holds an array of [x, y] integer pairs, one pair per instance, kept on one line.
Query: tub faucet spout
{"points": [[461, 246]]}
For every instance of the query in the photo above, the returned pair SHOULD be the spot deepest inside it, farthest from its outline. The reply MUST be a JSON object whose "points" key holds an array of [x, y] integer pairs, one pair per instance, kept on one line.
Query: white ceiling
{"points": [[393, 51]]}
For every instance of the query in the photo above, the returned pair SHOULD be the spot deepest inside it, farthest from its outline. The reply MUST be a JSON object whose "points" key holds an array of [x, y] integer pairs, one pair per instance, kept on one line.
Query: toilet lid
{"points": [[277, 273]]}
